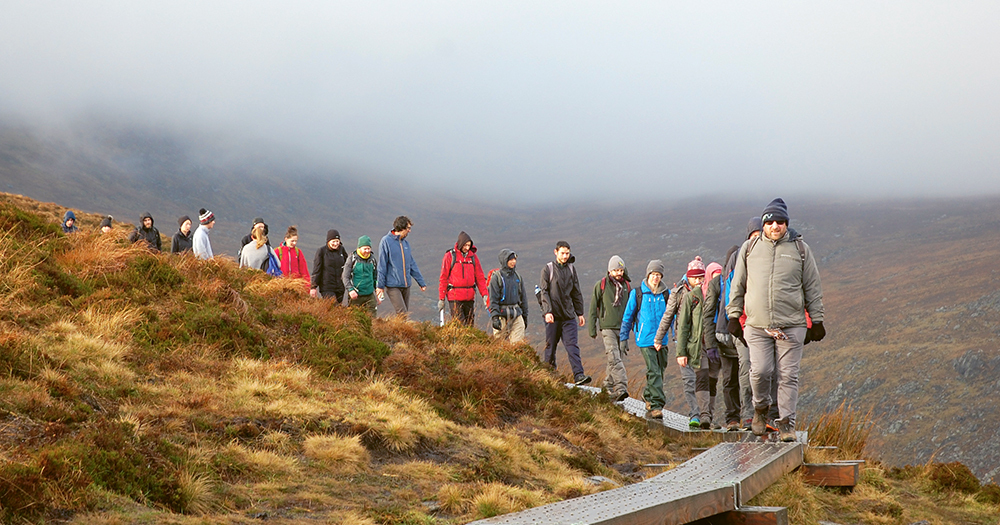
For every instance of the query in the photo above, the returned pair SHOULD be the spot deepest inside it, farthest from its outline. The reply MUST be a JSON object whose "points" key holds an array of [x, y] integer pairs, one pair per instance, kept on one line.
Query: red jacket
{"points": [[293, 263], [461, 273]]}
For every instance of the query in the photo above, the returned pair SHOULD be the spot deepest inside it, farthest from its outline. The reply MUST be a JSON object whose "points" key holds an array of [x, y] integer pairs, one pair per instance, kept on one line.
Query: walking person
{"points": [[508, 303], [291, 258], [696, 346], [688, 376], [105, 225], [396, 267], [607, 306], [643, 312], [729, 374], [461, 277], [360, 272], [776, 281], [562, 309], [69, 222], [248, 238], [200, 244], [145, 231], [183, 239], [256, 253], [328, 269]]}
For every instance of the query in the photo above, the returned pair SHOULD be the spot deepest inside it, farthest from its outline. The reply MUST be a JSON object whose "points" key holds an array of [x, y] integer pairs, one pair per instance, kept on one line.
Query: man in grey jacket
{"points": [[776, 282]]}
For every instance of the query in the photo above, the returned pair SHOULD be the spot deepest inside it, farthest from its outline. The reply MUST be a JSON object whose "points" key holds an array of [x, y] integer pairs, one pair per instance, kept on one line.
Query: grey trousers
{"points": [[746, 393], [768, 355], [400, 299], [689, 376], [615, 376]]}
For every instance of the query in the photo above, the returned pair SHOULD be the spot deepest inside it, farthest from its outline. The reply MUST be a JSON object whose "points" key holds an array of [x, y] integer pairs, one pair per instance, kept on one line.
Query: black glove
{"points": [[816, 333], [735, 328], [497, 324], [713, 355], [525, 318]]}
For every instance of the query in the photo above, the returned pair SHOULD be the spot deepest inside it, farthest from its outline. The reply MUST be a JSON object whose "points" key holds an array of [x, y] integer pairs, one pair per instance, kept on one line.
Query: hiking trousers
{"points": [[768, 355], [368, 302], [565, 330], [510, 329], [688, 378], [615, 376], [746, 393], [730, 375], [464, 312], [706, 382], [400, 299], [656, 362]]}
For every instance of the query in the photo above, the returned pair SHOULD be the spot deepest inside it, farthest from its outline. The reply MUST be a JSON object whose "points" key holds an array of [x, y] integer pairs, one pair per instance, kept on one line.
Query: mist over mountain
{"points": [[911, 288]]}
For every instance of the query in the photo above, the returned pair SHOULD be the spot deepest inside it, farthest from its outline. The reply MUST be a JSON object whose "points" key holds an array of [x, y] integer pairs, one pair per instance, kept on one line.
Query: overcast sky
{"points": [[571, 98]]}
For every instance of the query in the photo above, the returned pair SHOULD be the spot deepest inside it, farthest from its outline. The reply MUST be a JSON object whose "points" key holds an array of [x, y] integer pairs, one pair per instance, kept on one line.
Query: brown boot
{"points": [[759, 424], [786, 430], [656, 414]]}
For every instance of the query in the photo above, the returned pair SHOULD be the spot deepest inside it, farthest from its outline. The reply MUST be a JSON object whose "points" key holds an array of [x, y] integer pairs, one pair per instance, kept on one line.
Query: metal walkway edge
{"points": [[721, 479]]}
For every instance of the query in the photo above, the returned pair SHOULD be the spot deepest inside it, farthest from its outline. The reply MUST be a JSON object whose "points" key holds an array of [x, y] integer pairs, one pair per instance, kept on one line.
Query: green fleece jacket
{"points": [[603, 314], [775, 285]]}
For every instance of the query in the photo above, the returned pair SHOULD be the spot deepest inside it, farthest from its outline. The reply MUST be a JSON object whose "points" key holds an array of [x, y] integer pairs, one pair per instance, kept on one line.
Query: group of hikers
{"points": [[746, 320]]}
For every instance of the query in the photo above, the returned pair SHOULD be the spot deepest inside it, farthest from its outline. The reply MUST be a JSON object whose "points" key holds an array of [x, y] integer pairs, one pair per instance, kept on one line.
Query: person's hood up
{"points": [[505, 256], [462, 239], [106, 221], [709, 270], [755, 225], [69, 215], [145, 216]]}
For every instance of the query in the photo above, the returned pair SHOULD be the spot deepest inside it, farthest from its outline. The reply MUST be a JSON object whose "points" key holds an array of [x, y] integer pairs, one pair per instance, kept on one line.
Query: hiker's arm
{"points": [[811, 287], [595, 302], [627, 317], [443, 279], [739, 285]]}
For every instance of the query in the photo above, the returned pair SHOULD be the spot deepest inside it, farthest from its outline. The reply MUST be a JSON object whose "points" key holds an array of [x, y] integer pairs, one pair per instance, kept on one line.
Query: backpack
{"points": [[604, 282], [552, 270], [638, 301], [271, 265], [503, 289]]}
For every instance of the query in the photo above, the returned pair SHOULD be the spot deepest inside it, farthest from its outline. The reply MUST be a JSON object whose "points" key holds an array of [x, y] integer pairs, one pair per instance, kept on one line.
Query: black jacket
{"points": [[507, 297], [328, 270], [151, 236], [180, 242], [561, 296]]}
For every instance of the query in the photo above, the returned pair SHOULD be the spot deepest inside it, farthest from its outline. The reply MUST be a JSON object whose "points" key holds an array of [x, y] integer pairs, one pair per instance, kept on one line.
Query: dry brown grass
{"points": [[846, 428], [338, 454]]}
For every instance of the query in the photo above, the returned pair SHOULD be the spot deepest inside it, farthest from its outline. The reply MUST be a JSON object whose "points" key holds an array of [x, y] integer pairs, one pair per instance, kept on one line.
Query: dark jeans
{"points": [[565, 330], [730, 374], [464, 311], [707, 376]]}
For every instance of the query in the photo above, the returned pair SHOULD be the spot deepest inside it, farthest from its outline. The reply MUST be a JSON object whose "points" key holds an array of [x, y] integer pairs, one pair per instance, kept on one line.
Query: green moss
{"points": [[953, 476]]}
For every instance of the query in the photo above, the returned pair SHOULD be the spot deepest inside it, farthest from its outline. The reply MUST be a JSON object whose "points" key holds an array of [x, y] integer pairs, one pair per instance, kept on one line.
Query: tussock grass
{"points": [[339, 454], [792, 492], [846, 428]]}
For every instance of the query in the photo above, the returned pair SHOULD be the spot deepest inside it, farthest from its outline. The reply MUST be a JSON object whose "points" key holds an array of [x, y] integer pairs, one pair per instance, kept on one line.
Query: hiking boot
{"points": [[695, 422], [732, 426], [706, 425], [786, 430], [759, 424], [746, 424], [656, 414], [621, 397], [582, 379]]}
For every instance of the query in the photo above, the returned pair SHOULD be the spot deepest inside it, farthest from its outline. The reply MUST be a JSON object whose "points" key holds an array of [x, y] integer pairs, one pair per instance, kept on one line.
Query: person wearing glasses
{"points": [[777, 281]]}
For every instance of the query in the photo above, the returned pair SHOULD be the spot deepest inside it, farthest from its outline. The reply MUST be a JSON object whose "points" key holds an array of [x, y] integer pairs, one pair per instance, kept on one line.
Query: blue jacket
{"points": [[395, 263], [648, 318]]}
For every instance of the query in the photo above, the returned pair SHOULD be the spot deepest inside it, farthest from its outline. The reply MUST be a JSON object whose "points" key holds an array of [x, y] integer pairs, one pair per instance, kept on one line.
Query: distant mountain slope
{"points": [[911, 288]]}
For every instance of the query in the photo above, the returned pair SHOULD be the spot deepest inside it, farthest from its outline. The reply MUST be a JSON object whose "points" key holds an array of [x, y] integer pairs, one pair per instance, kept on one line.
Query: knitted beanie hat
{"points": [[205, 216], [696, 268], [364, 240], [331, 235], [616, 263], [182, 219], [775, 211]]}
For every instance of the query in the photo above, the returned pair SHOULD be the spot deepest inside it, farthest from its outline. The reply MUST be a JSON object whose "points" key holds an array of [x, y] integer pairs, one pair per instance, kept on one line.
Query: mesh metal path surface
{"points": [[718, 480]]}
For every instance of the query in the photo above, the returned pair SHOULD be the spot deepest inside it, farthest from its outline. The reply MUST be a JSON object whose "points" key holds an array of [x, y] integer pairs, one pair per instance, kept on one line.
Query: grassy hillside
{"points": [[911, 286], [141, 388]]}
